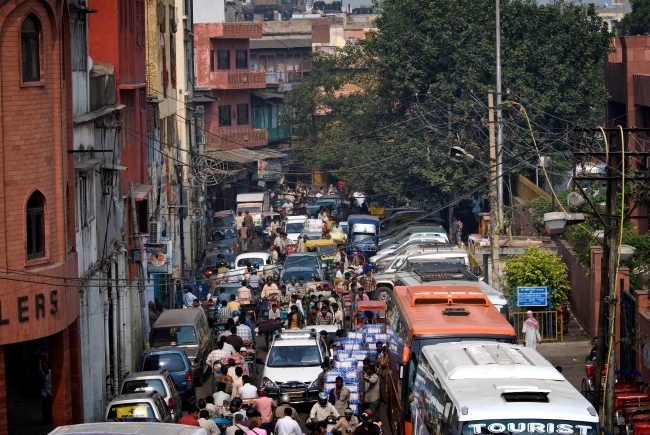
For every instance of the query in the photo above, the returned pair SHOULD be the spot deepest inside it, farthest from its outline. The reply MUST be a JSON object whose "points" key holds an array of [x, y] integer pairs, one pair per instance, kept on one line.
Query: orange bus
{"points": [[423, 315]]}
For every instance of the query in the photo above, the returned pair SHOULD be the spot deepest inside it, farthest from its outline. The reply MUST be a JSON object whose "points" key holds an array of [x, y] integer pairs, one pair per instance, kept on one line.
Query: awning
{"points": [[91, 116], [114, 167], [244, 155], [267, 95], [141, 191], [87, 164], [204, 99]]}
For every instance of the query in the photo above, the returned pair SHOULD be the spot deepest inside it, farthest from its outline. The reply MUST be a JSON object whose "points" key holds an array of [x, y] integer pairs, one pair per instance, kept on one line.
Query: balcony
{"points": [[233, 139], [239, 30], [285, 77], [237, 80]]}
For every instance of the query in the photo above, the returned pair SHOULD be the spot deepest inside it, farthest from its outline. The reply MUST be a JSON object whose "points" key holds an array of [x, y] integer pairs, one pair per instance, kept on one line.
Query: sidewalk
{"points": [[569, 355]]}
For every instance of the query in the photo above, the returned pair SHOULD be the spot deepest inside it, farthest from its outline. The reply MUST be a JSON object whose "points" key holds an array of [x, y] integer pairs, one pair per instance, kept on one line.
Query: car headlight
{"points": [[266, 382]]}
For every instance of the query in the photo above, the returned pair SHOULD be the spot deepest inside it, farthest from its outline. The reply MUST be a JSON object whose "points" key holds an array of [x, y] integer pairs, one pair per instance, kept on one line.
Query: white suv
{"points": [[293, 364]]}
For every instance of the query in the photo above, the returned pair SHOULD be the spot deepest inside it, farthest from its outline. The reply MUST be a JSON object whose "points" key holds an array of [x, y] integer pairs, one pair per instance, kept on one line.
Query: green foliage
{"points": [[636, 22], [537, 267], [392, 137]]}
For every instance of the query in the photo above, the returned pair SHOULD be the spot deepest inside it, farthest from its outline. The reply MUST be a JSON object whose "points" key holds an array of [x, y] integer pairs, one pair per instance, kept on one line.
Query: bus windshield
{"points": [[529, 427]]}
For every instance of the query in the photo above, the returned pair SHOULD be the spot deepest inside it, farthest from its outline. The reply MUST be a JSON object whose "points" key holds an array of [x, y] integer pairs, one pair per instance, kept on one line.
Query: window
{"points": [[224, 116], [211, 60], [223, 61], [242, 114], [82, 201], [241, 59], [78, 41], [36, 226], [30, 41]]}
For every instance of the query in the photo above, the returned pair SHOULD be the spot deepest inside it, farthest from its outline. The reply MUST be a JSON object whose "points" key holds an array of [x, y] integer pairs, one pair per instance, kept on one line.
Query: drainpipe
{"points": [[115, 369], [123, 368], [107, 342]]}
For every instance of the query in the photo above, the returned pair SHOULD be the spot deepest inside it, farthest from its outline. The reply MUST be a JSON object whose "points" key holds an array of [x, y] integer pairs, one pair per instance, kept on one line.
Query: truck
{"points": [[256, 204], [363, 232]]}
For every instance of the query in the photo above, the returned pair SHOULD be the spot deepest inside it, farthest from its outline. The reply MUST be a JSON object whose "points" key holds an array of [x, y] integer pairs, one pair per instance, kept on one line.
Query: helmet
{"points": [[235, 404], [322, 397], [236, 313], [285, 399], [367, 416]]}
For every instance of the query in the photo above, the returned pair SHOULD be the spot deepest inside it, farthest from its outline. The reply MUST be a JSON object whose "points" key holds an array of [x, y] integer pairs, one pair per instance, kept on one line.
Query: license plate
{"points": [[295, 394]]}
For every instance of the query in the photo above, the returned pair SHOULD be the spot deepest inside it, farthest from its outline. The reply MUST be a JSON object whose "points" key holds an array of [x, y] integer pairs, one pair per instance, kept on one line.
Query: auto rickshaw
{"points": [[326, 249]]}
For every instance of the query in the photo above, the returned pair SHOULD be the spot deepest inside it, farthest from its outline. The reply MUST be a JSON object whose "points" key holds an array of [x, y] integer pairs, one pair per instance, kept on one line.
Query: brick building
{"points": [[223, 73], [38, 259], [627, 79]]}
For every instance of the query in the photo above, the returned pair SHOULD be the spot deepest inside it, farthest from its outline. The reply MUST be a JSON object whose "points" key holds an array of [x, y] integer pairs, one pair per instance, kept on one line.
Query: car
{"points": [[297, 272], [224, 236], [313, 209], [385, 242], [175, 361], [138, 405], [223, 219], [253, 258], [219, 248], [312, 235], [293, 226], [130, 428], [327, 202], [413, 241], [292, 365], [188, 329], [391, 211], [306, 259], [155, 380]]}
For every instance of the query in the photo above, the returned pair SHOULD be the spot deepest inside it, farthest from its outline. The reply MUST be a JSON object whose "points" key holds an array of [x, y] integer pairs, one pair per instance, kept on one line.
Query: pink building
{"points": [[225, 78], [627, 79]]}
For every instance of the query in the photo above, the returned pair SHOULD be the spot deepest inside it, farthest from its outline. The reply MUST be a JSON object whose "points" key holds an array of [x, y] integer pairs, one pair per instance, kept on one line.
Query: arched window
{"points": [[36, 226], [30, 41]]}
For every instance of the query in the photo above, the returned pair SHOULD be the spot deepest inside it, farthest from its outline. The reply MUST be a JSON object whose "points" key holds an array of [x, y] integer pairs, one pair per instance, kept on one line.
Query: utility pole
{"points": [[494, 200], [499, 147], [608, 297]]}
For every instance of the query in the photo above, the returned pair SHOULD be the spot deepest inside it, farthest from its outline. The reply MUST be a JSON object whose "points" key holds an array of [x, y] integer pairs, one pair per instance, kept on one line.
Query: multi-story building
{"points": [[224, 74], [39, 305], [115, 122], [627, 79]]}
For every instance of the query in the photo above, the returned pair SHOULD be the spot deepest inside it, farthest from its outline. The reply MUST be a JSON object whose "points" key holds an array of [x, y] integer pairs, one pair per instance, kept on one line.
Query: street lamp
{"points": [[555, 222]]}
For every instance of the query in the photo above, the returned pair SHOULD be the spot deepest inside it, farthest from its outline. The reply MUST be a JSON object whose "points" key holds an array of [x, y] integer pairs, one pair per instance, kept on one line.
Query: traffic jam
{"points": [[319, 315]]}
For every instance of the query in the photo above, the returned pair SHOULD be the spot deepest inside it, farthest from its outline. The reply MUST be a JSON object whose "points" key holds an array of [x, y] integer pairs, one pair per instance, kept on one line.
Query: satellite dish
{"points": [[575, 199]]}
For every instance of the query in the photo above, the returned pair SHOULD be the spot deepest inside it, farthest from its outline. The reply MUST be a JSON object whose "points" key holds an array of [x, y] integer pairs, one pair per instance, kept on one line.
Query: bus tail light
{"points": [[406, 353]]}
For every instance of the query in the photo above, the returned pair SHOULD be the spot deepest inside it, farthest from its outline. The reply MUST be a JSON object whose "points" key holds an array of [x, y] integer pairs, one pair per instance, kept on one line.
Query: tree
{"points": [[414, 77], [537, 267], [636, 22]]}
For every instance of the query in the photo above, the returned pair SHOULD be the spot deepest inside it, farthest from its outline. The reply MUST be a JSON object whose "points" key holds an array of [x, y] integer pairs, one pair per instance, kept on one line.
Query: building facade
{"points": [[39, 306]]}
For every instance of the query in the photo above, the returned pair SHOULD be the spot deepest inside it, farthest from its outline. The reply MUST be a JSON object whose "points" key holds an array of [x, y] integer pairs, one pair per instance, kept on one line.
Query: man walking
{"points": [[369, 284], [46, 392], [458, 230], [243, 239], [239, 221], [371, 390], [249, 224]]}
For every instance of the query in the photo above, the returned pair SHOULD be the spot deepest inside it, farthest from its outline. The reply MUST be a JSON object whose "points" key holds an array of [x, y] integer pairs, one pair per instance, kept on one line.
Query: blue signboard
{"points": [[532, 296]]}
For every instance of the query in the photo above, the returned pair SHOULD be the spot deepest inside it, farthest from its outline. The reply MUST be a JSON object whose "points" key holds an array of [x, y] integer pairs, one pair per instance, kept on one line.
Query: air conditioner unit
{"points": [[154, 232], [200, 139], [199, 109]]}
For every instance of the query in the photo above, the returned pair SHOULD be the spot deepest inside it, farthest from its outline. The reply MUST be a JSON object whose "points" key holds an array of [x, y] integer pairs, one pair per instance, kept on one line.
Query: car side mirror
{"points": [[260, 361]]}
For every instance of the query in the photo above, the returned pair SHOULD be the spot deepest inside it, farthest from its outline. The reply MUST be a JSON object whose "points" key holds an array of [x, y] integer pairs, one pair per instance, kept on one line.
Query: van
{"points": [[155, 380], [138, 405], [186, 328]]}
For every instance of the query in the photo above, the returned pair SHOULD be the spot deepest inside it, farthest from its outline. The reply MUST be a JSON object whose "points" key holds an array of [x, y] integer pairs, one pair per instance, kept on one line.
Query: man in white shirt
{"points": [[320, 411], [297, 302], [220, 397], [247, 391], [208, 425], [227, 347], [288, 207], [239, 221], [287, 425]]}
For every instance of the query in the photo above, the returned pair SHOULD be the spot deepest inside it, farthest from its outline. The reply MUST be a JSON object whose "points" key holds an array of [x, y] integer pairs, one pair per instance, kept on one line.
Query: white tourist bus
{"points": [[487, 388]]}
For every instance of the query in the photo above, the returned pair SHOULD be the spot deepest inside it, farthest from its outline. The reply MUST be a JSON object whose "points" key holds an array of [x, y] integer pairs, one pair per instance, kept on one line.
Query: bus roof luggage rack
{"points": [[460, 274]]}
